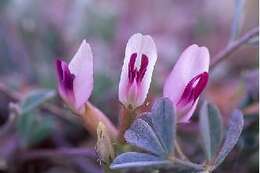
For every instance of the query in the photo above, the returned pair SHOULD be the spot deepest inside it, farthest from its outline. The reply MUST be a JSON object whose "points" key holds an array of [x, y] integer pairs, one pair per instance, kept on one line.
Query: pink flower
{"points": [[75, 81], [187, 80], [136, 75]]}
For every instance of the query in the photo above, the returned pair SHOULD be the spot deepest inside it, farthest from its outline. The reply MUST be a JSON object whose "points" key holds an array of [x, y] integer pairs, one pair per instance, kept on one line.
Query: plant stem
{"points": [[230, 48], [180, 152], [127, 116], [106, 168], [92, 116]]}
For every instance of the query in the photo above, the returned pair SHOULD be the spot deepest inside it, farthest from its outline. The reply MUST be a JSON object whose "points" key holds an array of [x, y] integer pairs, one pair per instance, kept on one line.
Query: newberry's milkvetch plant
{"points": [[148, 139], [75, 84]]}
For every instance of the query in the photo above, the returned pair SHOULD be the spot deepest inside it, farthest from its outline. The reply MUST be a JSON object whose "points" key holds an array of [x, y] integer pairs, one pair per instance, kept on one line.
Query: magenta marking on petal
{"points": [[142, 70], [68, 78], [194, 88], [131, 68], [59, 69], [65, 76], [133, 72]]}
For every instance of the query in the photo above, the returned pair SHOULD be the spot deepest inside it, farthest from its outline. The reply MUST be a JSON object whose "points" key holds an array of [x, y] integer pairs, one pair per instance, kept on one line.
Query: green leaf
{"points": [[135, 160], [142, 135], [211, 129], [24, 126], [154, 132], [35, 98], [236, 124], [163, 113], [41, 131], [33, 129]]}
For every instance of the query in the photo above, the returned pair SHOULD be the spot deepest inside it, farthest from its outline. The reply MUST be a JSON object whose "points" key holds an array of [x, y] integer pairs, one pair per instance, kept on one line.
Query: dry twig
{"points": [[230, 48]]}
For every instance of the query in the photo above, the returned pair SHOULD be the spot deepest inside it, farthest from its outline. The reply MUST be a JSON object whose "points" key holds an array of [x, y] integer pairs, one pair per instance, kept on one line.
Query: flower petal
{"points": [[184, 118], [81, 66], [193, 61], [65, 81], [144, 47]]}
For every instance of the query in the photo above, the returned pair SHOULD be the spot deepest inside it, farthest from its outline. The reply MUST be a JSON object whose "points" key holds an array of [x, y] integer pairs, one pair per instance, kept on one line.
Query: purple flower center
{"points": [[193, 89], [65, 76], [133, 72]]}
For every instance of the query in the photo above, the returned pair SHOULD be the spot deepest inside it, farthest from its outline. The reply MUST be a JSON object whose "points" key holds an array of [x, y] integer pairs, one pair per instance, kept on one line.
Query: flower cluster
{"points": [[183, 86]]}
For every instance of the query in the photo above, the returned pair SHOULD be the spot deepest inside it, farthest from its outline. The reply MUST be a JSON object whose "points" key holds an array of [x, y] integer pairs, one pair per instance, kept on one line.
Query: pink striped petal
{"points": [[136, 75], [190, 69]]}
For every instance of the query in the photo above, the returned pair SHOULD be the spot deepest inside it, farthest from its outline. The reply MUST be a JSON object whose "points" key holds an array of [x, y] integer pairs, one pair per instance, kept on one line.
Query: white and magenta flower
{"points": [[75, 80], [187, 80], [136, 75]]}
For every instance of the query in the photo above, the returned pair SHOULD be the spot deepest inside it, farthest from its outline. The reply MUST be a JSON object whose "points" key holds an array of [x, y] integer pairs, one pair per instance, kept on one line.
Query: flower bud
{"points": [[187, 80], [136, 75], [75, 80]]}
